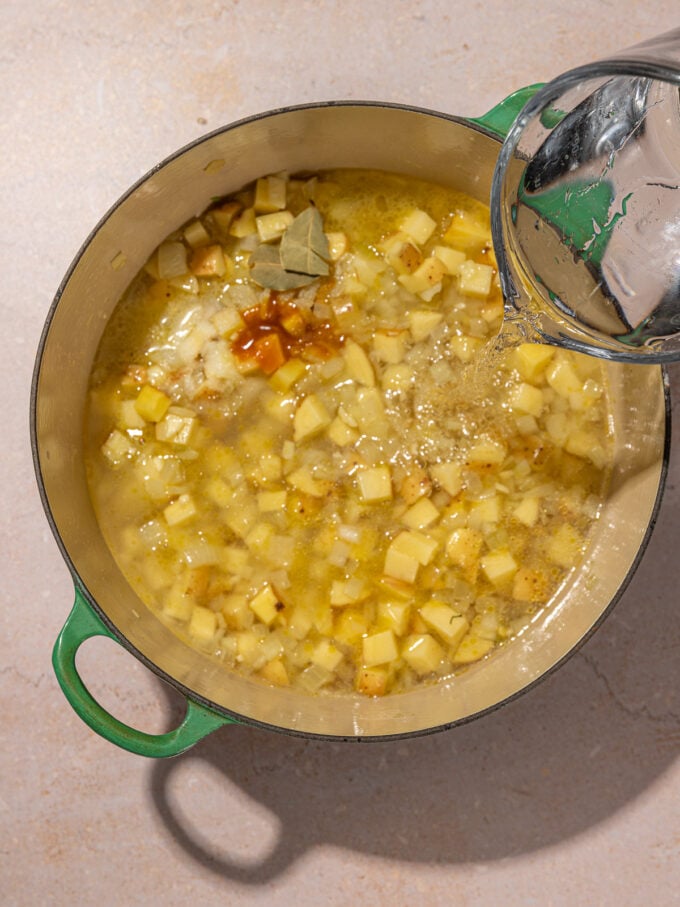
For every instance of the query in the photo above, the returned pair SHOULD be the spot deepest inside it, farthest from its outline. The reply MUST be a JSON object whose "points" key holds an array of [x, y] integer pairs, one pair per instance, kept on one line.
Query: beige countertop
{"points": [[570, 794]]}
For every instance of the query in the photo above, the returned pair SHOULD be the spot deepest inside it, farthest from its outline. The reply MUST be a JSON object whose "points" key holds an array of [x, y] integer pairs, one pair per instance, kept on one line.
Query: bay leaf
{"points": [[304, 247], [268, 272]]}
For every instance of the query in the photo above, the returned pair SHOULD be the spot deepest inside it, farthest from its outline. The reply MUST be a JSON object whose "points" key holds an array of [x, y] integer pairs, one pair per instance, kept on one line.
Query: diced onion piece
{"points": [[180, 510], [172, 260]]}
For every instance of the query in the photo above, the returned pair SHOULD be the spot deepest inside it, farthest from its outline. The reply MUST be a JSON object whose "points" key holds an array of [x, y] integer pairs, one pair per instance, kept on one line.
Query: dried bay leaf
{"points": [[268, 272], [304, 247]]}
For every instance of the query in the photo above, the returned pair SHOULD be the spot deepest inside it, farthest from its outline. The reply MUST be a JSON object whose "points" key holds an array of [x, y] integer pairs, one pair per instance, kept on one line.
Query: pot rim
{"points": [[112, 628]]}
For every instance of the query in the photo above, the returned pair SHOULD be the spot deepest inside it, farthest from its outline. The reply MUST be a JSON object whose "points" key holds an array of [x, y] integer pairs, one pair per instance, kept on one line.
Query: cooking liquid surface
{"points": [[346, 485]]}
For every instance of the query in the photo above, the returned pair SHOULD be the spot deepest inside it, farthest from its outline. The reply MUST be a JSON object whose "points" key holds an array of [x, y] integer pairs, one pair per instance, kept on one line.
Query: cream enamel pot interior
{"points": [[452, 151]]}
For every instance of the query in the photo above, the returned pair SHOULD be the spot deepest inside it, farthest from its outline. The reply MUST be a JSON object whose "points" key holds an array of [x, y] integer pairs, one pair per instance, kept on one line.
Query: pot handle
{"points": [[81, 624], [501, 117]]}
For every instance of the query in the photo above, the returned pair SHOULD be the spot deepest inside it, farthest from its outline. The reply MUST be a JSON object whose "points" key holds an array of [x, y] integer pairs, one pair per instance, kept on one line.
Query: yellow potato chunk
{"points": [[446, 622], [418, 225], [528, 399], [499, 566], [562, 377], [287, 375], [530, 585], [311, 417], [375, 484], [152, 404], [202, 625], [464, 546], [422, 653], [423, 322], [527, 510], [472, 648], [474, 279], [264, 605], [395, 615], [379, 648], [270, 194], [372, 681], [465, 232], [452, 259], [531, 359], [421, 515], [326, 655], [417, 545], [275, 672], [565, 546], [273, 226], [358, 364]]}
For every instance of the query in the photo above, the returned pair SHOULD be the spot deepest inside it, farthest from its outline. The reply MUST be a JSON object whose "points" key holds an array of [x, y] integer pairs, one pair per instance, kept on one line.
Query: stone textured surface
{"points": [[567, 796]]}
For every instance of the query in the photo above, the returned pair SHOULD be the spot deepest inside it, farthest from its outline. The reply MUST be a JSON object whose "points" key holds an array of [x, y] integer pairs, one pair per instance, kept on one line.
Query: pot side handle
{"points": [[501, 117], [81, 624]]}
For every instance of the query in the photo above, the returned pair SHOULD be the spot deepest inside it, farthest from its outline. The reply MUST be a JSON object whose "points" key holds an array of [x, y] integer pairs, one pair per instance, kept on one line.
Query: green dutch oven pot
{"points": [[456, 152]]}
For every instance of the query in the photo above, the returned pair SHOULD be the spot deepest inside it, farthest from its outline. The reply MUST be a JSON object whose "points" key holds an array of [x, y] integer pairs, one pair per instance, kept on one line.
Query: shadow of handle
{"points": [[81, 624]]}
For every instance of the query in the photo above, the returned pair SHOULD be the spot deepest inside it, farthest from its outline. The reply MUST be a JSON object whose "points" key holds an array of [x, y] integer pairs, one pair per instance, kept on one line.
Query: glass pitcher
{"points": [[585, 208]]}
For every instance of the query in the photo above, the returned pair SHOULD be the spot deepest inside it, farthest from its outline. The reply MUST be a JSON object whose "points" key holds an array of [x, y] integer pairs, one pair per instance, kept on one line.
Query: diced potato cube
{"points": [[499, 566], [196, 234], [358, 364], [464, 546], [265, 605], [425, 278], [452, 259], [415, 485], [243, 225], [223, 215], [202, 625], [418, 225], [177, 604], [446, 622], [208, 261], [565, 546], [417, 545], [472, 648], [311, 417], [303, 480], [350, 626], [300, 623], [270, 194], [118, 448], [423, 322], [375, 484], [475, 279], [557, 426], [259, 538], [341, 433], [527, 510], [247, 647], [400, 566], [152, 404], [422, 653], [530, 585], [218, 491], [586, 445], [487, 452], [395, 615], [484, 512], [532, 358], [465, 232], [528, 399], [181, 510], [397, 377], [270, 501], [273, 226], [562, 377], [464, 347], [337, 245], [448, 476], [285, 377], [371, 681], [275, 672], [421, 515], [380, 648], [128, 415], [401, 253], [326, 655], [390, 346], [347, 592]]}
